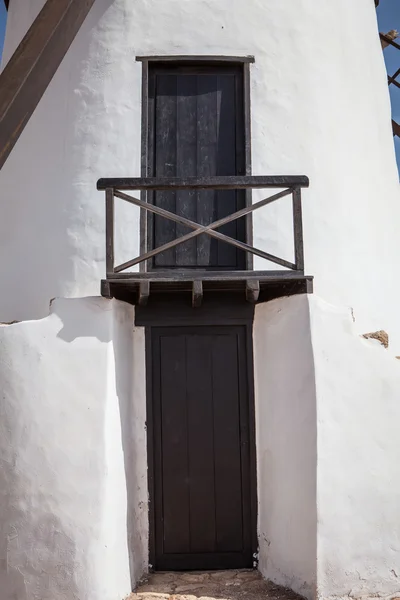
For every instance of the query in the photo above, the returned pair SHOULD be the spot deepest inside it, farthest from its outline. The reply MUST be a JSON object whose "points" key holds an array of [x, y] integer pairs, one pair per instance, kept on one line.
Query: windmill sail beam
{"points": [[33, 65]]}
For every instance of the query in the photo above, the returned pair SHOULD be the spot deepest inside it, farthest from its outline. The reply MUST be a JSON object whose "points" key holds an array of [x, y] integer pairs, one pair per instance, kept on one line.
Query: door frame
{"points": [[178, 313], [243, 62]]}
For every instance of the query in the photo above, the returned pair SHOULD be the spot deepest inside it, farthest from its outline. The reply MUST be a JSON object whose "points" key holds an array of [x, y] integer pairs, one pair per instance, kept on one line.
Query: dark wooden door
{"points": [[201, 449], [196, 129]]}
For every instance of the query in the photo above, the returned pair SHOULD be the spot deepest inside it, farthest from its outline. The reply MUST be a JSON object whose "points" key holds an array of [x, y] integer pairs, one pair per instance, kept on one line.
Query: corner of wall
{"points": [[286, 443]]}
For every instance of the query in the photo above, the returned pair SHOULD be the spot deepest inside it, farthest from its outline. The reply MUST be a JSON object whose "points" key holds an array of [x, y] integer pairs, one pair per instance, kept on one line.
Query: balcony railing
{"points": [[288, 186]]}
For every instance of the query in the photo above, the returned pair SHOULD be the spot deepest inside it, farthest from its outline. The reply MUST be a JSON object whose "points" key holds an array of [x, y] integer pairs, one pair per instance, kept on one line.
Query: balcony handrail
{"points": [[290, 185], [229, 182]]}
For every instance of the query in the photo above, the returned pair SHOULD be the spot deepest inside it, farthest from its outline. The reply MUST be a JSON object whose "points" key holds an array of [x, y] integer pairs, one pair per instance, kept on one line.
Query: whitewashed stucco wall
{"points": [[68, 469], [320, 107], [358, 499], [328, 408], [286, 443]]}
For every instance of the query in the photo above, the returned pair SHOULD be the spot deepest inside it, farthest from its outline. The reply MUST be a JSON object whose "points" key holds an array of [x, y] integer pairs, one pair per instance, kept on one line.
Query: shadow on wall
{"points": [[286, 443], [129, 356], [129, 384], [37, 556], [73, 327], [73, 453], [52, 469]]}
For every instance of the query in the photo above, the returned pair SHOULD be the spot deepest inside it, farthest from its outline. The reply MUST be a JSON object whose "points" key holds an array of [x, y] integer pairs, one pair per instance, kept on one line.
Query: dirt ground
{"points": [[228, 585]]}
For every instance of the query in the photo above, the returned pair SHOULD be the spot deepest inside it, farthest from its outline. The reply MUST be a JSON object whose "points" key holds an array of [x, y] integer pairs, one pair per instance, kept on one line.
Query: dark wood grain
{"points": [[197, 293], [298, 230], [252, 290], [144, 292], [195, 116], [165, 163], [201, 435], [185, 275], [208, 229], [203, 183], [110, 230], [197, 59]]}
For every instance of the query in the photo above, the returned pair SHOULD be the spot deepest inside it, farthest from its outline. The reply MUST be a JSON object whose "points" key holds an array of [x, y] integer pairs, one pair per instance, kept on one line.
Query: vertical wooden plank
{"points": [[174, 435], [186, 163], [248, 167], [150, 163], [247, 434], [228, 478], [165, 162], [201, 443], [144, 159], [298, 230], [226, 165], [109, 230], [207, 136]]}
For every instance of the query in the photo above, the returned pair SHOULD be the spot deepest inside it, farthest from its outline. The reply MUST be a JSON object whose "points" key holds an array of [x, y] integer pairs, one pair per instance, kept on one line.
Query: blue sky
{"points": [[3, 14], [388, 17]]}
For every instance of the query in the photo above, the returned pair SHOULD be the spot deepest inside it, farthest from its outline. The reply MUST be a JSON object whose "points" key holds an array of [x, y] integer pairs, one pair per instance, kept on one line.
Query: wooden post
{"points": [[109, 231], [33, 65], [197, 293], [298, 230]]}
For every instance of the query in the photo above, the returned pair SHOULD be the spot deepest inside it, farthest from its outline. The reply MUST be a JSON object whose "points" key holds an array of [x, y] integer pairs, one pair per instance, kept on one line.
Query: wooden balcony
{"points": [[136, 287]]}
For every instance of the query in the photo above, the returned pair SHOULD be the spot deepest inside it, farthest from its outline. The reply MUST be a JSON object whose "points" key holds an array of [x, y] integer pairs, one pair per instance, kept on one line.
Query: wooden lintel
{"points": [[144, 292], [197, 293], [252, 290], [33, 65]]}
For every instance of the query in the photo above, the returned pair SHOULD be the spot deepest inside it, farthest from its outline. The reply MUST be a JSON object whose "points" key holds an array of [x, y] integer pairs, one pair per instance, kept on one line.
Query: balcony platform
{"points": [[255, 286]]}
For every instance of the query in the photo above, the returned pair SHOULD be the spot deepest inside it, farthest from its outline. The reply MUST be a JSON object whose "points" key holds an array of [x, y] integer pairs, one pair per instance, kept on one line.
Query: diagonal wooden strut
{"points": [[33, 65], [200, 229]]}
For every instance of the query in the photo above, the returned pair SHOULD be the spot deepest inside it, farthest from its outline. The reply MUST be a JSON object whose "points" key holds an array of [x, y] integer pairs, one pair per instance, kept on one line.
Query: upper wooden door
{"points": [[201, 431], [196, 129]]}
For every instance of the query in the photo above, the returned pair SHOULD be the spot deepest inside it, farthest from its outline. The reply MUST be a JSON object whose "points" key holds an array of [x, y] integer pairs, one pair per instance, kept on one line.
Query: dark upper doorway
{"points": [[196, 129], [202, 438]]}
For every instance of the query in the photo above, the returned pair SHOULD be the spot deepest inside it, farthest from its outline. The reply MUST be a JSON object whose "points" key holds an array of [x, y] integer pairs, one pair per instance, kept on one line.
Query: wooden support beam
{"points": [[396, 128], [105, 289], [178, 275], [252, 290], [144, 292], [197, 293], [33, 65]]}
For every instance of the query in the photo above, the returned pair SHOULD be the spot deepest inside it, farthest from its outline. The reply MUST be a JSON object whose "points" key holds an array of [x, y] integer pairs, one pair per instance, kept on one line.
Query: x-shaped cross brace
{"points": [[199, 229]]}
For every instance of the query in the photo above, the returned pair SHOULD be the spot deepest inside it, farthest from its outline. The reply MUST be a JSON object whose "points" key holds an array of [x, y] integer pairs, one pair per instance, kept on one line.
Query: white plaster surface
{"points": [[358, 498], [320, 107], [68, 468], [327, 404], [286, 443]]}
